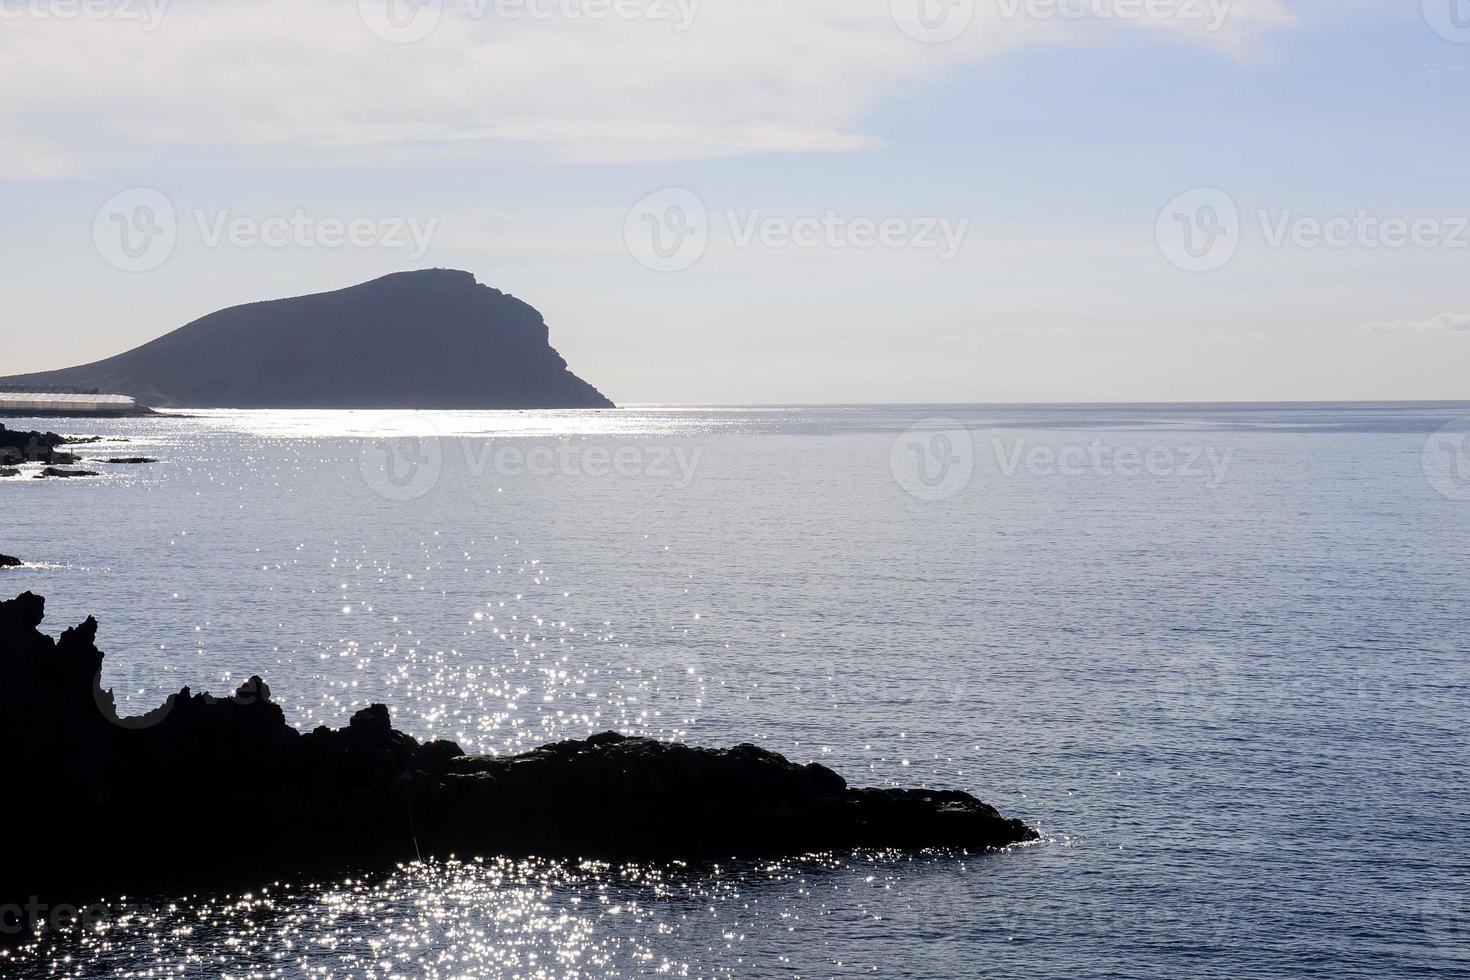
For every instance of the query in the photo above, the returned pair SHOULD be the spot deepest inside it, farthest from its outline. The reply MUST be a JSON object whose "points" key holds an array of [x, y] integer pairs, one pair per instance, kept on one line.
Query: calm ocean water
{"points": [[1220, 655]]}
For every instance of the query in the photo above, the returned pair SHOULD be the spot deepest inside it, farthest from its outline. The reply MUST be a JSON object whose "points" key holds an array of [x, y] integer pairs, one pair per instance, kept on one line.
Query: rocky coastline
{"points": [[18, 448], [205, 790]]}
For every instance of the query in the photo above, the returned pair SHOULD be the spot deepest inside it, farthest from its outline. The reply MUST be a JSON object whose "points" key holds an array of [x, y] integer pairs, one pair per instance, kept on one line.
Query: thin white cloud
{"points": [[1058, 332], [304, 82], [1441, 325], [35, 158]]}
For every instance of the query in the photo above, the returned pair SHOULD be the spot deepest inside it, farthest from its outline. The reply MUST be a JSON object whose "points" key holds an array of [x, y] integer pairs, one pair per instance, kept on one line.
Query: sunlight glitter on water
{"points": [[1118, 661], [496, 918], [507, 424]]}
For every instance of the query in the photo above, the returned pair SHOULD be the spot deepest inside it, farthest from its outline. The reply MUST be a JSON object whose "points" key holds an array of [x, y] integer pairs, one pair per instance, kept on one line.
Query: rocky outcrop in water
{"points": [[33, 447], [432, 339], [207, 789], [51, 472], [9, 561]]}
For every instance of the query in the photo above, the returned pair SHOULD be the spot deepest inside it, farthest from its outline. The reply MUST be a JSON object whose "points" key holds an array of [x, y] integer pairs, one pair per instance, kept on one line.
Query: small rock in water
{"points": [[8, 561], [132, 459], [63, 474]]}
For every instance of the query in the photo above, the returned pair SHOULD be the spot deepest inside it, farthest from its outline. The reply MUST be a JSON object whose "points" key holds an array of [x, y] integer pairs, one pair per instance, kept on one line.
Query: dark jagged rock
{"points": [[33, 447], [52, 471], [9, 471], [130, 460], [204, 789], [7, 561], [434, 339]]}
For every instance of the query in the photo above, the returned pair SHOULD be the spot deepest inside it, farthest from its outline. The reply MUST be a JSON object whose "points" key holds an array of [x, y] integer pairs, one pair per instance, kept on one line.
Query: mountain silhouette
{"points": [[434, 339]]}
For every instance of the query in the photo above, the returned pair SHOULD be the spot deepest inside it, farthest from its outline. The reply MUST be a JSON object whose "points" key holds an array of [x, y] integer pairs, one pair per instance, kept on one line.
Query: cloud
{"points": [[35, 158], [311, 82], [1059, 332], [1444, 323]]}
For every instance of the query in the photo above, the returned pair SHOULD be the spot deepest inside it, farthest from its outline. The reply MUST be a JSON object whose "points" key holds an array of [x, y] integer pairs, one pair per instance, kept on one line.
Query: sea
{"points": [[1218, 654]]}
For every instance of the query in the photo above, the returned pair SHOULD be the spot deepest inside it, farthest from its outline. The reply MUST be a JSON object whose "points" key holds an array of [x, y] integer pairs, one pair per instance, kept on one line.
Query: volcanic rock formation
{"points": [[434, 339], [205, 790]]}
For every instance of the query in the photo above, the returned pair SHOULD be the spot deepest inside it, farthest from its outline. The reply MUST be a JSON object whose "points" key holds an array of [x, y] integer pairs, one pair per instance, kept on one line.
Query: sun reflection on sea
{"points": [[531, 919]]}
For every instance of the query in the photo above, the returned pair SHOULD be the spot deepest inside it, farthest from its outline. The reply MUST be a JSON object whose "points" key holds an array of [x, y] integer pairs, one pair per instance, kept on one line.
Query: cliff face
{"points": [[435, 339]]}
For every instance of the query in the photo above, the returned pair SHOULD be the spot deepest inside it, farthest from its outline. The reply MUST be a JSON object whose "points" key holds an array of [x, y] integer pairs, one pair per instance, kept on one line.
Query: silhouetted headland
{"points": [[212, 789], [434, 339]]}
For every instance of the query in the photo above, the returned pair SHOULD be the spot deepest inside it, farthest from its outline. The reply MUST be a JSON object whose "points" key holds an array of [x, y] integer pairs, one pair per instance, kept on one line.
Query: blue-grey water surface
{"points": [[1218, 654]]}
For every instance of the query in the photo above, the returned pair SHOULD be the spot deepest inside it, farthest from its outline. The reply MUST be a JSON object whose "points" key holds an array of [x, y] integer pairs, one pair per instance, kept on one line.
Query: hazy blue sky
{"points": [[806, 157]]}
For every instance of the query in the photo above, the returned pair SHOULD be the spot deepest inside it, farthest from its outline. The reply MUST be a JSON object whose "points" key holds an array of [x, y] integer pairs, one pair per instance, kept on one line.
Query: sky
{"points": [[771, 201]]}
